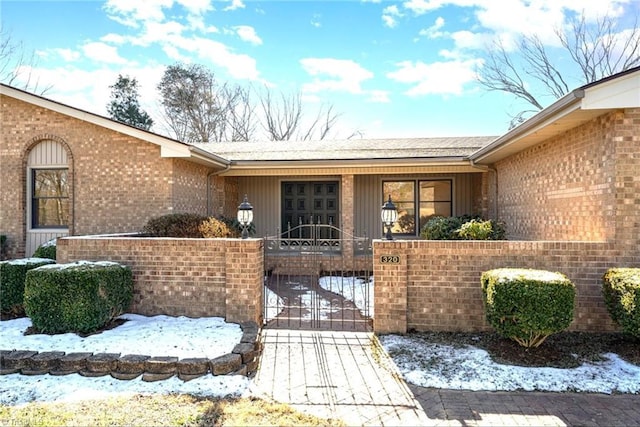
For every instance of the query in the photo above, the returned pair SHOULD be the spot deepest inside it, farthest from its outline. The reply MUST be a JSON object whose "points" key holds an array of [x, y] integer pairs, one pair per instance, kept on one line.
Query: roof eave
{"points": [[340, 163], [555, 111]]}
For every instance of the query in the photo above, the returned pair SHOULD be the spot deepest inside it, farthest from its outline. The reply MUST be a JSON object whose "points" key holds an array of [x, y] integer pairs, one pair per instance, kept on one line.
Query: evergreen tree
{"points": [[124, 105]]}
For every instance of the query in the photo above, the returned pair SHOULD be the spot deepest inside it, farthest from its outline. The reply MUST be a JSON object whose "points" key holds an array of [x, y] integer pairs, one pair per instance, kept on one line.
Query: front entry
{"points": [[316, 277]]}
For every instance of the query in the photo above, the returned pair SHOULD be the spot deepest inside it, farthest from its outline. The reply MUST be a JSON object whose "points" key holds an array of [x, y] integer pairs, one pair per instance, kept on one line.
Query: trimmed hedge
{"points": [[79, 297], [527, 305], [46, 250], [187, 225], [12, 278], [182, 225], [621, 290], [3, 245]]}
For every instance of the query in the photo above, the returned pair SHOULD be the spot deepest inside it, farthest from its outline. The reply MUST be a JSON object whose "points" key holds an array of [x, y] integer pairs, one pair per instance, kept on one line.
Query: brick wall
{"points": [[117, 182], [189, 190], [575, 186], [627, 179], [436, 284], [182, 277], [224, 196]]}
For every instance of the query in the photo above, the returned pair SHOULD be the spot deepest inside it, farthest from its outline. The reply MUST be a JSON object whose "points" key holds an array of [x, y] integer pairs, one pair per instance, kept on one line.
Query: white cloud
{"points": [[113, 38], [508, 20], [420, 7], [157, 32], [196, 7], [334, 74], [68, 55], [441, 78], [248, 34], [470, 40], [390, 15], [239, 66], [433, 32], [235, 4], [131, 13], [102, 52]]}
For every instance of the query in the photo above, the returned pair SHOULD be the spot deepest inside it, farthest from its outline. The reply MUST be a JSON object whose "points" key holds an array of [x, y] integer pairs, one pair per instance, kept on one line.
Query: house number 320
{"points": [[390, 259]]}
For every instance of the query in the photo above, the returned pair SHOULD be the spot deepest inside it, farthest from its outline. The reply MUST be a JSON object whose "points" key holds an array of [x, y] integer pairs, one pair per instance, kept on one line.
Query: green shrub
{"points": [[462, 228], [621, 290], [46, 250], [184, 225], [527, 305], [477, 229], [3, 246], [213, 227], [78, 297], [12, 277], [443, 227]]}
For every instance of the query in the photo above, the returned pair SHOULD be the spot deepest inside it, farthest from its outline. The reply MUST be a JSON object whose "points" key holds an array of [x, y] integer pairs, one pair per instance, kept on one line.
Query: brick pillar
{"points": [[346, 218], [244, 280], [390, 287]]}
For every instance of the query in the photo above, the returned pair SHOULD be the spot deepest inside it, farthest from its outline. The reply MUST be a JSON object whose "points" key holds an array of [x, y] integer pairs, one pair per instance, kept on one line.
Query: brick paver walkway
{"points": [[477, 408], [348, 375]]}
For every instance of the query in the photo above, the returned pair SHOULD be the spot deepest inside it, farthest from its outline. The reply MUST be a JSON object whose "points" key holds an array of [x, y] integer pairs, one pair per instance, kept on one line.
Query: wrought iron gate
{"points": [[318, 277]]}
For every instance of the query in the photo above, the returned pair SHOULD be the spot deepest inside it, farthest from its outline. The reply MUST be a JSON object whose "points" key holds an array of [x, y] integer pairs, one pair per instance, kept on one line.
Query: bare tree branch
{"points": [[499, 73], [15, 66], [595, 49]]}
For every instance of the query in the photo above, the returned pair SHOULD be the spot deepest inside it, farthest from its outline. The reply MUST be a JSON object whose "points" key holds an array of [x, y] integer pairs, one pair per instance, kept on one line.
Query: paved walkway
{"points": [[345, 375], [348, 375]]}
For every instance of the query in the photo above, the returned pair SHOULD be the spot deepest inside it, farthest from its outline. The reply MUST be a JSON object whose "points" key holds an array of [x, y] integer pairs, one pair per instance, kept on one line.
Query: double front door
{"points": [[309, 202]]}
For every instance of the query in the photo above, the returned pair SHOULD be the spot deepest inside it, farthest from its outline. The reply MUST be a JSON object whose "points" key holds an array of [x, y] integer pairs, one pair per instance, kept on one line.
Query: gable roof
{"points": [[168, 147], [618, 91], [352, 149]]}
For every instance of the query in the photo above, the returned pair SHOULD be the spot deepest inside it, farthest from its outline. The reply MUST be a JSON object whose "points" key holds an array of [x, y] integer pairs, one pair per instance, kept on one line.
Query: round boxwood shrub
{"points": [[527, 305], [46, 250], [621, 290], [79, 297], [12, 278]]}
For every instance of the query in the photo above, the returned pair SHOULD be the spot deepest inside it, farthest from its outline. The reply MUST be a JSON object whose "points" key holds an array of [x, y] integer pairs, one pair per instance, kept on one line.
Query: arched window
{"points": [[48, 186]]}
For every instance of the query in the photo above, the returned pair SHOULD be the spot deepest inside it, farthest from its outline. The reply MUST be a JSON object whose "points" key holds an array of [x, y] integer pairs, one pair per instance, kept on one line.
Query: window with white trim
{"points": [[50, 198]]}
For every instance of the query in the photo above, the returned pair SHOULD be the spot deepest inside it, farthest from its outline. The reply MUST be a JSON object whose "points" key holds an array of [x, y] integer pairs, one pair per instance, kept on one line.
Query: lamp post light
{"points": [[245, 216], [389, 215]]}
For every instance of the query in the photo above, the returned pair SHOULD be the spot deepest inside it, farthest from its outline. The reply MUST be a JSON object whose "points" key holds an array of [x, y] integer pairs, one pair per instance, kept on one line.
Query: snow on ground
{"points": [[421, 363], [469, 368], [355, 289], [180, 337], [274, 304]]}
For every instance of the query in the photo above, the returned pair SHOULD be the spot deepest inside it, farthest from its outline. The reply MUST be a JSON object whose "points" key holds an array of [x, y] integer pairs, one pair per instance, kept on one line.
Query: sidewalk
{"points": [[348, 375], [345, 375]]}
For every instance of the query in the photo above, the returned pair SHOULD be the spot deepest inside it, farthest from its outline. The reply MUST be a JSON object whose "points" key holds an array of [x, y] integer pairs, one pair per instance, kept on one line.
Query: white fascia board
{"points": [[623, 92]]}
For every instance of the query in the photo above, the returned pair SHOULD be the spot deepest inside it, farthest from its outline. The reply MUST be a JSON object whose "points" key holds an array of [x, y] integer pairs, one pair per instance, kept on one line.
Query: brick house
{"points": [[570, 173]]}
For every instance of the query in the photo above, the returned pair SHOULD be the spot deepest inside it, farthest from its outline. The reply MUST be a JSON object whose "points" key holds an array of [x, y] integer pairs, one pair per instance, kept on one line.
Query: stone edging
{"points": [[243, 360]]}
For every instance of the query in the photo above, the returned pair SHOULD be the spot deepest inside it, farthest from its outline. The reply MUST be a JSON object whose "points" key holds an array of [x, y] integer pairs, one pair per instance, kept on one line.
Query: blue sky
{"points": [[390, 68]]}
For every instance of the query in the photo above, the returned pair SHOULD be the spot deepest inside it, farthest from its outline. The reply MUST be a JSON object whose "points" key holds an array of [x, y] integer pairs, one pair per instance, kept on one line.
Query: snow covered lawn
{"points": [[469, 368], [180, 337]]}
